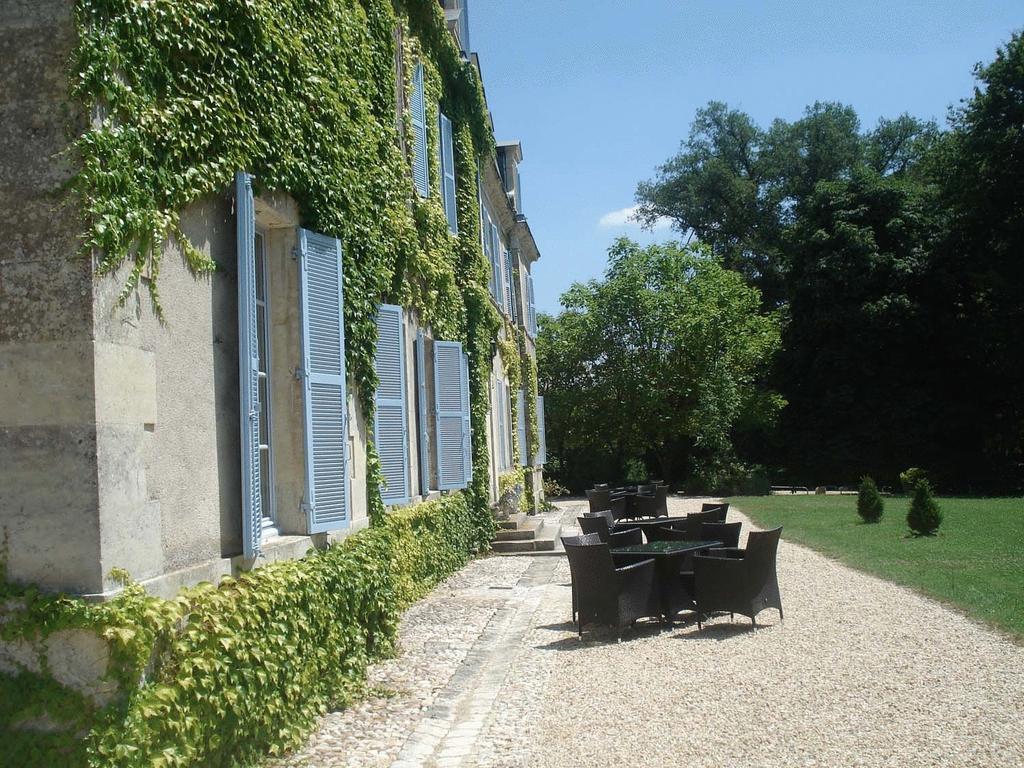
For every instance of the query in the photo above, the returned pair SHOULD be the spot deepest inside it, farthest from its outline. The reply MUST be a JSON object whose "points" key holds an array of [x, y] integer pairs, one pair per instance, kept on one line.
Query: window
{"points": [[418, 107], [542, 450], [521, 426], [266, 456], [391, 432], [248, 369], [510, 292], [451, 408], [325, 403], [424, 427], [448, 173]]}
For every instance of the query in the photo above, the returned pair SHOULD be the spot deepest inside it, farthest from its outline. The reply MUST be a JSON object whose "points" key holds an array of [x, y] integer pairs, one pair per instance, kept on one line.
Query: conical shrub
{"points": [[924, 516], [869, 501]]}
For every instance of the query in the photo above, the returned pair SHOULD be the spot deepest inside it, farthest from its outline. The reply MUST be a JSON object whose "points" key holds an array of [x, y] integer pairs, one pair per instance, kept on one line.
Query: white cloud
{"points": [[626, 217]]}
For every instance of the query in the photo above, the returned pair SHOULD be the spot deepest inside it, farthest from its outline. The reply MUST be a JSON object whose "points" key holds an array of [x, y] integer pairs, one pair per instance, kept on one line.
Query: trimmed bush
{"points": [[909, 478], [869, 501], [923, 516], [236, 671]]}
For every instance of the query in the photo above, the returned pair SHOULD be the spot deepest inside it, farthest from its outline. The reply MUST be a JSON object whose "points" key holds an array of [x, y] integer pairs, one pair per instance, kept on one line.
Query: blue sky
{"points": [[600, 92]]}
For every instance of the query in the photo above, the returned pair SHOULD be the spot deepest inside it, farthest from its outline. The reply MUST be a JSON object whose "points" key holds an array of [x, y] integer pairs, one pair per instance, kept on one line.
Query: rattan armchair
{"points": [[695, 520], [727, 533], [654, 504], [600, 523], [604, 594], [599, 499], [721, 507], [744, 585]]}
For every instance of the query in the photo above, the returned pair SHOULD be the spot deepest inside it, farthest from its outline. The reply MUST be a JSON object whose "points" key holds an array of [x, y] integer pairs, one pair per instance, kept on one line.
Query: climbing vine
{"points": [[222, 675], [184, 93]]}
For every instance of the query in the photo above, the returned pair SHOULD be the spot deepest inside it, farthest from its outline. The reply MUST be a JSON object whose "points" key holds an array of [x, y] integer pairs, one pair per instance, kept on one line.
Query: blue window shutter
{"points": [[448, 172], [542, 450], [521, 426], [532, 309], [499, 411], [391, 433], [323, 372], [248, 368], [510, 281], [418, 107], [421, 408], [448, 413], [488, 247], [499, 289], [467, 429], [505, 427]]}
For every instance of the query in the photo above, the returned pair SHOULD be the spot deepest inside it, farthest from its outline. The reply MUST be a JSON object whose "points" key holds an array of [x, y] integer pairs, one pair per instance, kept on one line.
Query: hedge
{"points": [[223, 675]]}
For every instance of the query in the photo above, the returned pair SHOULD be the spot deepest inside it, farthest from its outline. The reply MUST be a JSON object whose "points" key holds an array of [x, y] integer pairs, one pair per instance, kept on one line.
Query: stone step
{"points": [[544, 542], [526, 531], [513, 522]]}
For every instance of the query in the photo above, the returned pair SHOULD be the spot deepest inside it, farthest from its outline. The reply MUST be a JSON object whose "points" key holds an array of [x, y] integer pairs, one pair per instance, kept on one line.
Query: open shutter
{"points": [[390, 430], [521, 426], [448, 413], [323, 373], [421, 409], [485, 221], [448, 173], [542, 449], [467, 431], [248, 368], [499, 279], [499, 407], [510, 288], [532, 310], [418, 108]]}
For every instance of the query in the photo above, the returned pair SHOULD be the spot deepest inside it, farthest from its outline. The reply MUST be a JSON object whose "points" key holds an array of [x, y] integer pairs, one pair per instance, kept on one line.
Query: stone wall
{"points": [[48, 442]]}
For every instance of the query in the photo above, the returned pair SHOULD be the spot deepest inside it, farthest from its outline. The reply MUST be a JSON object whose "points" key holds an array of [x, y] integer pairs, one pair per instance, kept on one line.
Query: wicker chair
{"points": [[722, 509], [654, 504], [604, 594], [744, 585], [667, 532], [599, 499], [727, 533], [695, 520], [601, 524]]}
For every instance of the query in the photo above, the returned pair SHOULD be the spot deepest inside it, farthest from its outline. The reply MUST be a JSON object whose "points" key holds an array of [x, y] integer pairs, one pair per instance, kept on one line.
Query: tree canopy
{"points": [[654, 365], [891, 259]]}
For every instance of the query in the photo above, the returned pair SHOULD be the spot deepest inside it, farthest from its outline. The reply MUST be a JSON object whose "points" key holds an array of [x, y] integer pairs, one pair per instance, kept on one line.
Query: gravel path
{"points": [[862, 673]]}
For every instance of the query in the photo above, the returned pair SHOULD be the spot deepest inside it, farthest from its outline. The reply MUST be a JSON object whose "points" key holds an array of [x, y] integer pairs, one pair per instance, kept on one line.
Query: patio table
{"points": [[644, 522], [668, 559]]}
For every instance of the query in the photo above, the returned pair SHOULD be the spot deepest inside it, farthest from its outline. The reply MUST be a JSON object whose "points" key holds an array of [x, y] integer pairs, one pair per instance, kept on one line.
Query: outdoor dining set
{"points": [[634, 561]]}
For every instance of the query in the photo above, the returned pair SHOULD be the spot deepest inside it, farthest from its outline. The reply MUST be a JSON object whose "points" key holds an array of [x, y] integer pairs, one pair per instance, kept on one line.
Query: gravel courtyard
{"points": [[861, 673]]}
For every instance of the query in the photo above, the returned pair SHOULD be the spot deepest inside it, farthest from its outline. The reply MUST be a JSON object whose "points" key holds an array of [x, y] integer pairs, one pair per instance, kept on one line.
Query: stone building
{"points": [[230, 434]]}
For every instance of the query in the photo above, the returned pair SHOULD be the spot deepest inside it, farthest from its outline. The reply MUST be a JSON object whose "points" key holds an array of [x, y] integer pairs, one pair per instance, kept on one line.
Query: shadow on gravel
{"points": [[598, 636], [719, 631]]}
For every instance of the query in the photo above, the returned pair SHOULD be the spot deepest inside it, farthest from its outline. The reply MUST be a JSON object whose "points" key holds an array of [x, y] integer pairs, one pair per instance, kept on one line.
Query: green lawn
{"points": [[976, 562]]}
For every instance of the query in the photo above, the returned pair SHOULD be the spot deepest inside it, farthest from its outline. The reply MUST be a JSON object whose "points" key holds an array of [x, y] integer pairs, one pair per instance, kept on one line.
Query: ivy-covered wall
{"points": [[227, 673], [304, 99], [182, 94]]}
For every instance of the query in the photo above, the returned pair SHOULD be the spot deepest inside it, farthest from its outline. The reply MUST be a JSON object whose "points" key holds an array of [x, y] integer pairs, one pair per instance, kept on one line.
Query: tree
{"points": [[862, 364], [869, 501], [923, 515], [656, 362]]}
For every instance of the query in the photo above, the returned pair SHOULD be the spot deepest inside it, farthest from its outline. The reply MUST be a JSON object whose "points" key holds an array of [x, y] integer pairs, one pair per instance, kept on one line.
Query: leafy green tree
{"points": [[657, 362], [859, 367], [923, 515], [869, 501]]}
